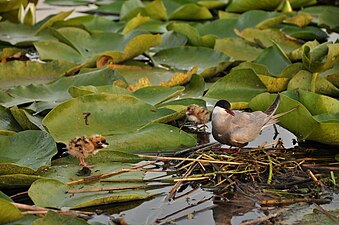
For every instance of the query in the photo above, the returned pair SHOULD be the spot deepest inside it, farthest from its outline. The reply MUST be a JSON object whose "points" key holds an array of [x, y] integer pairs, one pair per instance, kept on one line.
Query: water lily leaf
{"points": [[257, 68], [318, 104], [3, 196], [86, 90], [156, 10], [147, 139], [189, 31], [300, 121], [246, 5], [267, 37], [130, 9], [134, 23], [157, 94], [207, 60], [274, 59], [300, 19], [237, 49], [49, 21], [195, 88], [303, 80], [171, 39], [274, 84], [26, 219], [30, 148], [238, 86], [8, 212], [53, 218], [53, 193], [92, 23], [109, 114], [77, 45], [26, 120], [135, 47], [258, 18], [50, 95], [102, 160], [328, 131], [68, 2], [191, 11], [20, 35], [327, 16], [308, 33], [7, 121], [17, 180], [321, 57], [221, 28], [26, 72]]}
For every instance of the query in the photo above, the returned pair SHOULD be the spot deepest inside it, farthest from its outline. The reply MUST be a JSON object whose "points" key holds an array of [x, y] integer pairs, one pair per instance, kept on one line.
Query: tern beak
{"points": [[229, 111]]}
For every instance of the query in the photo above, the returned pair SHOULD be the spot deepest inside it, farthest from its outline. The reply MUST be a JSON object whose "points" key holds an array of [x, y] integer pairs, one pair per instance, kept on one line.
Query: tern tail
{"points": [[271, 110]]}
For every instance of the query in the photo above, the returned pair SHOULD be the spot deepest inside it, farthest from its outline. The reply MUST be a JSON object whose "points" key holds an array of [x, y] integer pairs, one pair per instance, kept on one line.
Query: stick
{"points": [[311, 166], [327, 213], [313, 177], [188, 159], [261, 219], [42, 209], [199, 147], [105, 175], [295, 200], [183, 209]]}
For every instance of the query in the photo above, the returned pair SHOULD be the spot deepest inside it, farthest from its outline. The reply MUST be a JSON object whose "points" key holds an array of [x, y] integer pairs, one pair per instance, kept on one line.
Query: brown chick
{"points": [[198, 114], [82, 147]]}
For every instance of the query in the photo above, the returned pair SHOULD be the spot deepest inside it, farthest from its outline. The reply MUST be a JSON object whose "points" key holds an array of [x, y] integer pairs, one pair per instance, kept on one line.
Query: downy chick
{"points": [[82, 147], [198, 114]]}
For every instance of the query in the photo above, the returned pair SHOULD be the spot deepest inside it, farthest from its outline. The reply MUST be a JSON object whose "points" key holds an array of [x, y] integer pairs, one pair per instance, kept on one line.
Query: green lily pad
{"points": [[26, 72], [238, 86], [7, 121], [109, 114], [26, 219], [245, 5], [20, 35], [17, 180], [237, 49], [274, 59], [191, 11], [8, 212], [157, 94], [303, 80], [300, 122], [195, 88], [53, 193], [308, 33], [267, 37], [318, 104], [53, 218], [321, 57], [57, 91], [26, 120], [78, 46], [89, 89], [30, 148], [327, 16], [147, 139], [208, 61]]}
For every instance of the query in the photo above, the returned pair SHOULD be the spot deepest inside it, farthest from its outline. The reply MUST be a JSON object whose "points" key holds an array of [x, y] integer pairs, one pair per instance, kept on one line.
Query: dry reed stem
{"points": [[189, 159]]}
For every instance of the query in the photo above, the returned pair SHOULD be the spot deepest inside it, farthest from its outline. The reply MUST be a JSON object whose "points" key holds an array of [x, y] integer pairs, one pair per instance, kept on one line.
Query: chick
{"points": [[82, 147], [198, 114]]}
